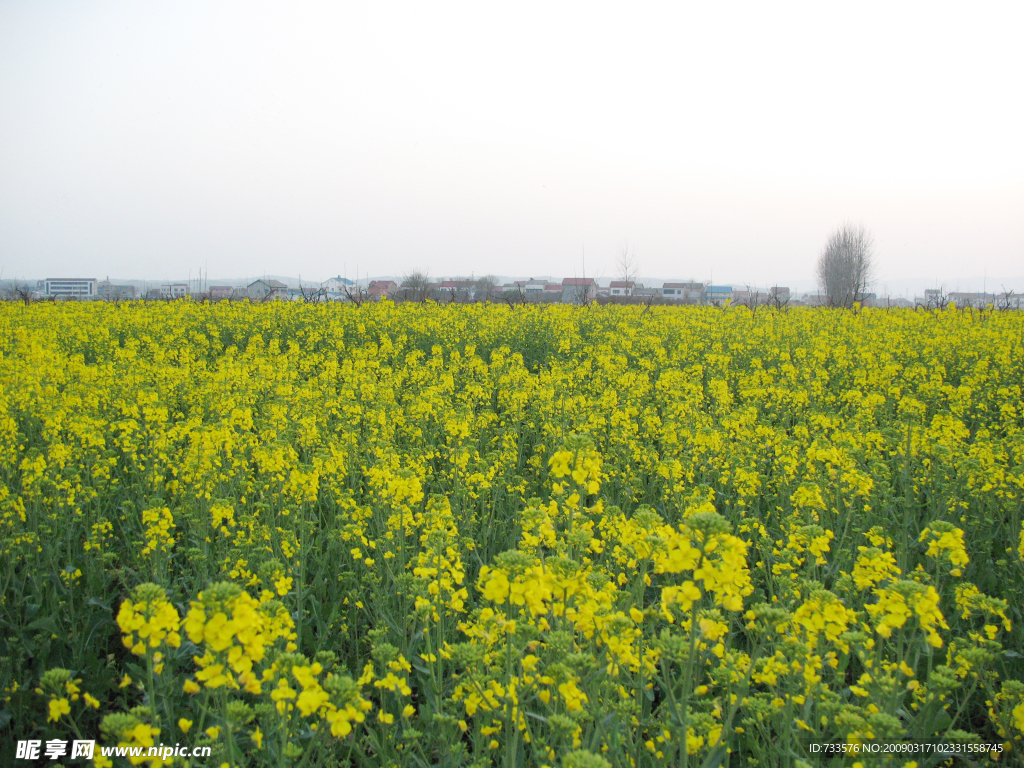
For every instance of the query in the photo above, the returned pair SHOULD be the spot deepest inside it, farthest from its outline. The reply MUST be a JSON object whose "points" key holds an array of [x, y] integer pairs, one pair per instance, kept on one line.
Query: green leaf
{"points": [[48, 624], [105, 605], [930, 720]]}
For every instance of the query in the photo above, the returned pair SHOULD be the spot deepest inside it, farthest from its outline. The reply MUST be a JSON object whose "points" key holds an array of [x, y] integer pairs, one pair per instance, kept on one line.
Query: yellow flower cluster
{"points": [[579, 462], [61, 689], [907, 599], [313, 699], [158, 533], [148, 621], [236, 631], [946, 542], [132, 730]]}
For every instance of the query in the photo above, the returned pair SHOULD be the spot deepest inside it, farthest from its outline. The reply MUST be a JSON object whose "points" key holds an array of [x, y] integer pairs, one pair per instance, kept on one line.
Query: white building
{"points": [[338, 288], [532, 287], [622, 288], [689, 293], [719, 293], [174, 291], [70, 287]]}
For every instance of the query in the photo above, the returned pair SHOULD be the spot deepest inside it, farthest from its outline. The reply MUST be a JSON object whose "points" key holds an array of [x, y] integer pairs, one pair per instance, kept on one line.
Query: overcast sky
{"points": [[720, 140]]}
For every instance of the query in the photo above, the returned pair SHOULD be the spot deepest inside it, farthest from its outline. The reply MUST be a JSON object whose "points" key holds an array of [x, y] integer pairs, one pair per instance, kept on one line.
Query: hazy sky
{"points": [[721, 140]]}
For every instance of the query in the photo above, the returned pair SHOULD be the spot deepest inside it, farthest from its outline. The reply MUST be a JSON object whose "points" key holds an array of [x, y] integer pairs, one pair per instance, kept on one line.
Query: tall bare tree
{"points": [[354, 293], [416, 286], [846, 266], [19, 292], [627, 265], [486, 288]]}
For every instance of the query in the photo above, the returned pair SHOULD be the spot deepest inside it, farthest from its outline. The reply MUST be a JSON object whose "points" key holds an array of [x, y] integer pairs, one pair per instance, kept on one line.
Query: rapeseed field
{"points": [[470, 535]]}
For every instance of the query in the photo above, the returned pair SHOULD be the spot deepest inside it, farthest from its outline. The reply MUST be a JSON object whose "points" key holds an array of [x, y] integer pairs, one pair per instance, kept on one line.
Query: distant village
{"points": [[417, 287]]}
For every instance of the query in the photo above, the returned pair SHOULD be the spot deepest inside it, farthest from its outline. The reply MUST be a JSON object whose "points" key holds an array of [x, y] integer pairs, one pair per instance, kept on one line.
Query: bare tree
{"points": [[1006, 300], [752, 300], [486, 288], [583, 292], [416, 286], [846, 266], [19, 292], [627, 265], [779, 299], [649, 302], [313, 295], [584, 289], [355, 293], [935, 299], [514, 297]]}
